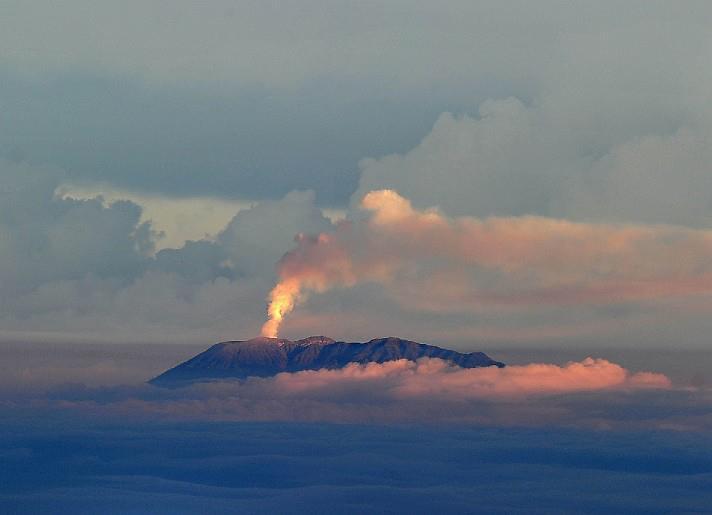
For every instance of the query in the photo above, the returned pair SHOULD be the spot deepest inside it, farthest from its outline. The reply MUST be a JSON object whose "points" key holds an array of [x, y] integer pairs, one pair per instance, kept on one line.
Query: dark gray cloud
{"points": [[251, 100], [248, 143], [45, 238], [85, 268]]}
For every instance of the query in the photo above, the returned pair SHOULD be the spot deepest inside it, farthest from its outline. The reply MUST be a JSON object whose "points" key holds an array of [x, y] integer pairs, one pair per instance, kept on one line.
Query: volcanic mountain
{"points": [[264, 357]]}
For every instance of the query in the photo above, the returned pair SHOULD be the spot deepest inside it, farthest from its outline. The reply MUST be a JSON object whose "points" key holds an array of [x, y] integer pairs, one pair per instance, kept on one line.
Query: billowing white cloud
{"points": [[617, 129], [500, 163]]}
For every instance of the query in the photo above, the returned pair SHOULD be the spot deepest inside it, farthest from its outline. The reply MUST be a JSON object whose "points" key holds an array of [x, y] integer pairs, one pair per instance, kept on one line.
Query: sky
{"points": [[528, 179], [158, 159]]}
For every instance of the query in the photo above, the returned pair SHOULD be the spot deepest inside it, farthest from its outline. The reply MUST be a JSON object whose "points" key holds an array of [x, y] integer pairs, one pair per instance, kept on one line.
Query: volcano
{"points": [[264, 357]]}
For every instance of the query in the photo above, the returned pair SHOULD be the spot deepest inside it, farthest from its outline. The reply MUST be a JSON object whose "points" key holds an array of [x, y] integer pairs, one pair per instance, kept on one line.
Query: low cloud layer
{"points": [[426, 391], [75, 465]]}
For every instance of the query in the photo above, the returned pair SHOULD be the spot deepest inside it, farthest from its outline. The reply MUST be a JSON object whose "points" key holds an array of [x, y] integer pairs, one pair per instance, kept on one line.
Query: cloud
{"points": [[586, 393], [426, 391], [654, 179], [45, 238], [79, 465], [86, 268], [536, 388], [262, 101], [177, 219], [436, 379], [614, 131], [514, 160], [500, 163], [256, 238]]}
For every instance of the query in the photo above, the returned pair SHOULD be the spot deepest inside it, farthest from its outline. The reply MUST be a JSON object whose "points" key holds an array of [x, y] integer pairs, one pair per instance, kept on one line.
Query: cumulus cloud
{"points": [[45, 238], [514, 159], [176, 219], [255, 239], [655, 179], [500, 163], [618, 130], [87, 268]]}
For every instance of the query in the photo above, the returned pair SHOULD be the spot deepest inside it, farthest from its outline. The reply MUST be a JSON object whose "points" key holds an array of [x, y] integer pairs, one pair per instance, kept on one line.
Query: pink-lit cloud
{"points": [[435, 378], [429, 391]]}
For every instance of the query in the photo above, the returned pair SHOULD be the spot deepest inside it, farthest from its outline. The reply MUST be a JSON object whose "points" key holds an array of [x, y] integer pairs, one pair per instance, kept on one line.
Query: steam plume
{"points": [[464, 263]]}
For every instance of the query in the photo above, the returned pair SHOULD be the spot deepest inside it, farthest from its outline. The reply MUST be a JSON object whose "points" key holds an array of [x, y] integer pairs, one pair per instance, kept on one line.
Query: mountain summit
{"points": [[264, 357]]}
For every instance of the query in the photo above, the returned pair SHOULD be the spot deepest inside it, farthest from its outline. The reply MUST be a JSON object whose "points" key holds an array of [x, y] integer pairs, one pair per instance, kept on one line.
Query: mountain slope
{"points": [[264, 357]]}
